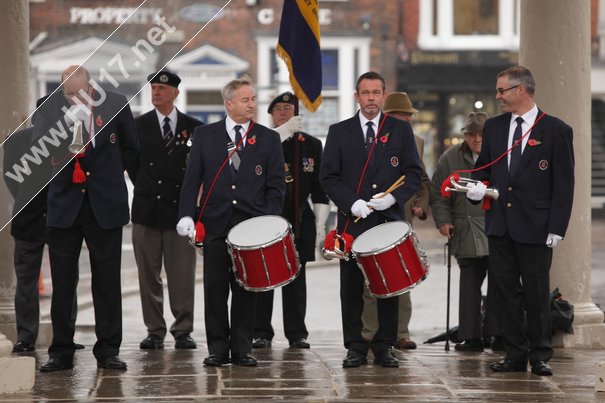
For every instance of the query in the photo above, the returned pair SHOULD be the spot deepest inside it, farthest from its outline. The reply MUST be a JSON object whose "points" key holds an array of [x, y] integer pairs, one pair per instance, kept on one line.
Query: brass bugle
{"points": [[337, 252], [463, 183], [77, 143]]}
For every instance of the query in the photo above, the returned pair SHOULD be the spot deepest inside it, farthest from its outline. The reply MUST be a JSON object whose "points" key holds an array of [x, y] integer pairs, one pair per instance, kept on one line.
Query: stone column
{"points": [[16, 373], [555, 46]]}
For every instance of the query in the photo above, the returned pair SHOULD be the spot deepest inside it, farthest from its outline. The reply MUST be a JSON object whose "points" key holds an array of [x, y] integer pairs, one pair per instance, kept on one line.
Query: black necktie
{"points": [[168, 135], [515, 155], [369, 136], [238, 138]]}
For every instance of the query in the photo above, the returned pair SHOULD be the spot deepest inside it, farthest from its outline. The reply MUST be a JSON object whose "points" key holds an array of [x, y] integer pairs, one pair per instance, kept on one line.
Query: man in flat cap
{"points": [[463, 223], [302, 155], [166, 138], [399, 105]]}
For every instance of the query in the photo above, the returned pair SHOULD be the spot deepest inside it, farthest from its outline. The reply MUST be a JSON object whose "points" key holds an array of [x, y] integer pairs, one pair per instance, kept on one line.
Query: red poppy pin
{"points": [[385, 138], [99, 121], [533, 142], [184, 134], [301, 137], [252, 140]]}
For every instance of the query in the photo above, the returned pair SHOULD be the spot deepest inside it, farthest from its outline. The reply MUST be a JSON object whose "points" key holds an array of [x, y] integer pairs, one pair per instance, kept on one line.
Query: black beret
{"points": [[164, 77], [288, 98]]}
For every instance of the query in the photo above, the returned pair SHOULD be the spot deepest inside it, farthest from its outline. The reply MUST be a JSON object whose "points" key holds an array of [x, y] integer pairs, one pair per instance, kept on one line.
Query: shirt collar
{"points": [[172, 116], [363, 120], [528, 118]]}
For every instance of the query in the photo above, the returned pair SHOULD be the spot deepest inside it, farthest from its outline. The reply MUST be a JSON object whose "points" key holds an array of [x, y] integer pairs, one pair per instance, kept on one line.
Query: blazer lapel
{"points": [[356, 139]]}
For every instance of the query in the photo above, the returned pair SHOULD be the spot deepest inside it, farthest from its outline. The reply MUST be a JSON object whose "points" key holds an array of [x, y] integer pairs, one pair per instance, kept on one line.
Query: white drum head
{"points": [[258, 231], [380, 237]]}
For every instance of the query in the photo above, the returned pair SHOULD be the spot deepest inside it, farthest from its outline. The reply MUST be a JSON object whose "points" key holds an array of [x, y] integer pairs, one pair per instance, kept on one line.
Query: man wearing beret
{"points": [[302, 154], [166, 137]]}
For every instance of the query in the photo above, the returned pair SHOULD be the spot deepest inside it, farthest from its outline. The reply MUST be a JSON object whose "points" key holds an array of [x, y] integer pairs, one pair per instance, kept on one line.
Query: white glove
{"points": [[321, 211], [381, 203], [360, 209], [185, 226], [291, 126], [552, 240], [476, 191]]}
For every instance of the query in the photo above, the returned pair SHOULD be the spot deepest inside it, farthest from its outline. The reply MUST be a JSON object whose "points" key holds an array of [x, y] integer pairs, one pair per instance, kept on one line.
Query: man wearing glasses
{"points": [[536, 185]]}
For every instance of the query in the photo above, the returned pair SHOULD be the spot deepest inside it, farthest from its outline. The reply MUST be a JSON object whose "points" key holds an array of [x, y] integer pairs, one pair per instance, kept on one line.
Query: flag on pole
{"points": [[299, 46]]}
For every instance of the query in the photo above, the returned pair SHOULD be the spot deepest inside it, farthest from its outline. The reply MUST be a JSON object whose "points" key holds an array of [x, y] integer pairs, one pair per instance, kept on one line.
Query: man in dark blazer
{"points": [[345, 155], [234, 190], [165, 137], [302, 153], [536, 185], [87, 200]]}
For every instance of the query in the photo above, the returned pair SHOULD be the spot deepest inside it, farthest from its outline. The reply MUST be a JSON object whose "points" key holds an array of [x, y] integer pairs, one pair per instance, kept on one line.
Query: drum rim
{"points": [[386, 248], [262, 245]]}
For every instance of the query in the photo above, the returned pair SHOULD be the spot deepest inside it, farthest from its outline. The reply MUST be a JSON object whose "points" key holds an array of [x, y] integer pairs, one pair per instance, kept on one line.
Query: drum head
{"points": [[381, 236], [258, 231]]}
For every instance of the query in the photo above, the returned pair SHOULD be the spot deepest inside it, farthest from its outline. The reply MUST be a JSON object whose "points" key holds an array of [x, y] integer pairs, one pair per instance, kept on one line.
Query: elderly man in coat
{"points": [[463, 223]]}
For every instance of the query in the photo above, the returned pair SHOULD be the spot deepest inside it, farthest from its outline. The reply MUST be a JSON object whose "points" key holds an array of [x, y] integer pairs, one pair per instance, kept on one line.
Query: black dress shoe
{"points": [[299, 343], [470, 345], [78, 346], [23, 347], [243, 360], [112, 363], [541, 368], [184, 341], [152, 342], [56, 364], [261, 342], [354, 359], [386, 359], [216, 360], [508, 366]]}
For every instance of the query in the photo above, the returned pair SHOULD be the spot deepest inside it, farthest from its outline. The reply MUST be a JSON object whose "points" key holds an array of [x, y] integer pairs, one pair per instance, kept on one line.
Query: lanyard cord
{"points": [[365, 167], [515, 144]]}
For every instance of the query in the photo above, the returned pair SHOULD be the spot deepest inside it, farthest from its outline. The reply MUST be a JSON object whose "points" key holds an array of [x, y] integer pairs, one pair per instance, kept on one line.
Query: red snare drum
{"points": [[389, 257], [263, 253]]}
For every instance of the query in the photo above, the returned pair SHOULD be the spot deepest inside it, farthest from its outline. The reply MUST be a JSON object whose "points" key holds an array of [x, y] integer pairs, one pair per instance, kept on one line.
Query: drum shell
{"points": [[266, 266], [394, 269]]}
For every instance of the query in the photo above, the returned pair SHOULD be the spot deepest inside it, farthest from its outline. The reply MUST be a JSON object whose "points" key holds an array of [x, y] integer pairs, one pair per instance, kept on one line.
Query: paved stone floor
{"points": [[428, 373]]}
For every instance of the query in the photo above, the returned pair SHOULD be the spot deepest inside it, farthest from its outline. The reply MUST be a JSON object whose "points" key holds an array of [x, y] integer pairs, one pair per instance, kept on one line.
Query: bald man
{"points": [[87, 201]]}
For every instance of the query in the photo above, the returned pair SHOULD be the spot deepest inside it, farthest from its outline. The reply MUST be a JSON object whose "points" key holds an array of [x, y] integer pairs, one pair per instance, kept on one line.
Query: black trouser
{"points": [[351, 300], [522, 285], [294, 305], [219, 279], [105, 250], [472, 273]]}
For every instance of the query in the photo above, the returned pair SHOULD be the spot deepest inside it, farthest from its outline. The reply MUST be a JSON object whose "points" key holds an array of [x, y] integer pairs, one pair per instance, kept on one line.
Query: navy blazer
{"points": [[258, 188], [116, 147], [537, 200], [343, 161], [158, 176]]}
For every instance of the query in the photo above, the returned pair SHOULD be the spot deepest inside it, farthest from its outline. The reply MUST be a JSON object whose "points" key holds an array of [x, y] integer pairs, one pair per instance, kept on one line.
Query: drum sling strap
{"points": [[200, 231]]}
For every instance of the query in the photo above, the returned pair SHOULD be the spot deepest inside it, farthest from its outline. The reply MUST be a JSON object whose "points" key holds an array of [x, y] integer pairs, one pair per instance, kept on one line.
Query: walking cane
{"points": [[448, 246]]}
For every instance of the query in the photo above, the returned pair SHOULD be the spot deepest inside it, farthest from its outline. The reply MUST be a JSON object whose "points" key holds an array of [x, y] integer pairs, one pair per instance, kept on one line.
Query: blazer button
{"points": [[374, 186], [510, 188], [159, 182], [83, 190], [159, 197], [233, 187], [87, 173], [151, 164], [234, 201], [508, 205]]}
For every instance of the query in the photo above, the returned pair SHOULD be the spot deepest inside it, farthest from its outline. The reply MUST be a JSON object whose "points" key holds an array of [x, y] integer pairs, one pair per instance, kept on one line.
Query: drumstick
{"points": [[398, 183]]}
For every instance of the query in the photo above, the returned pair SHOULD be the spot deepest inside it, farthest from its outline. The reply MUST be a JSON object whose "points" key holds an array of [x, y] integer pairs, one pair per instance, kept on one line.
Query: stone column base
{"points": [[588, 327]]}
